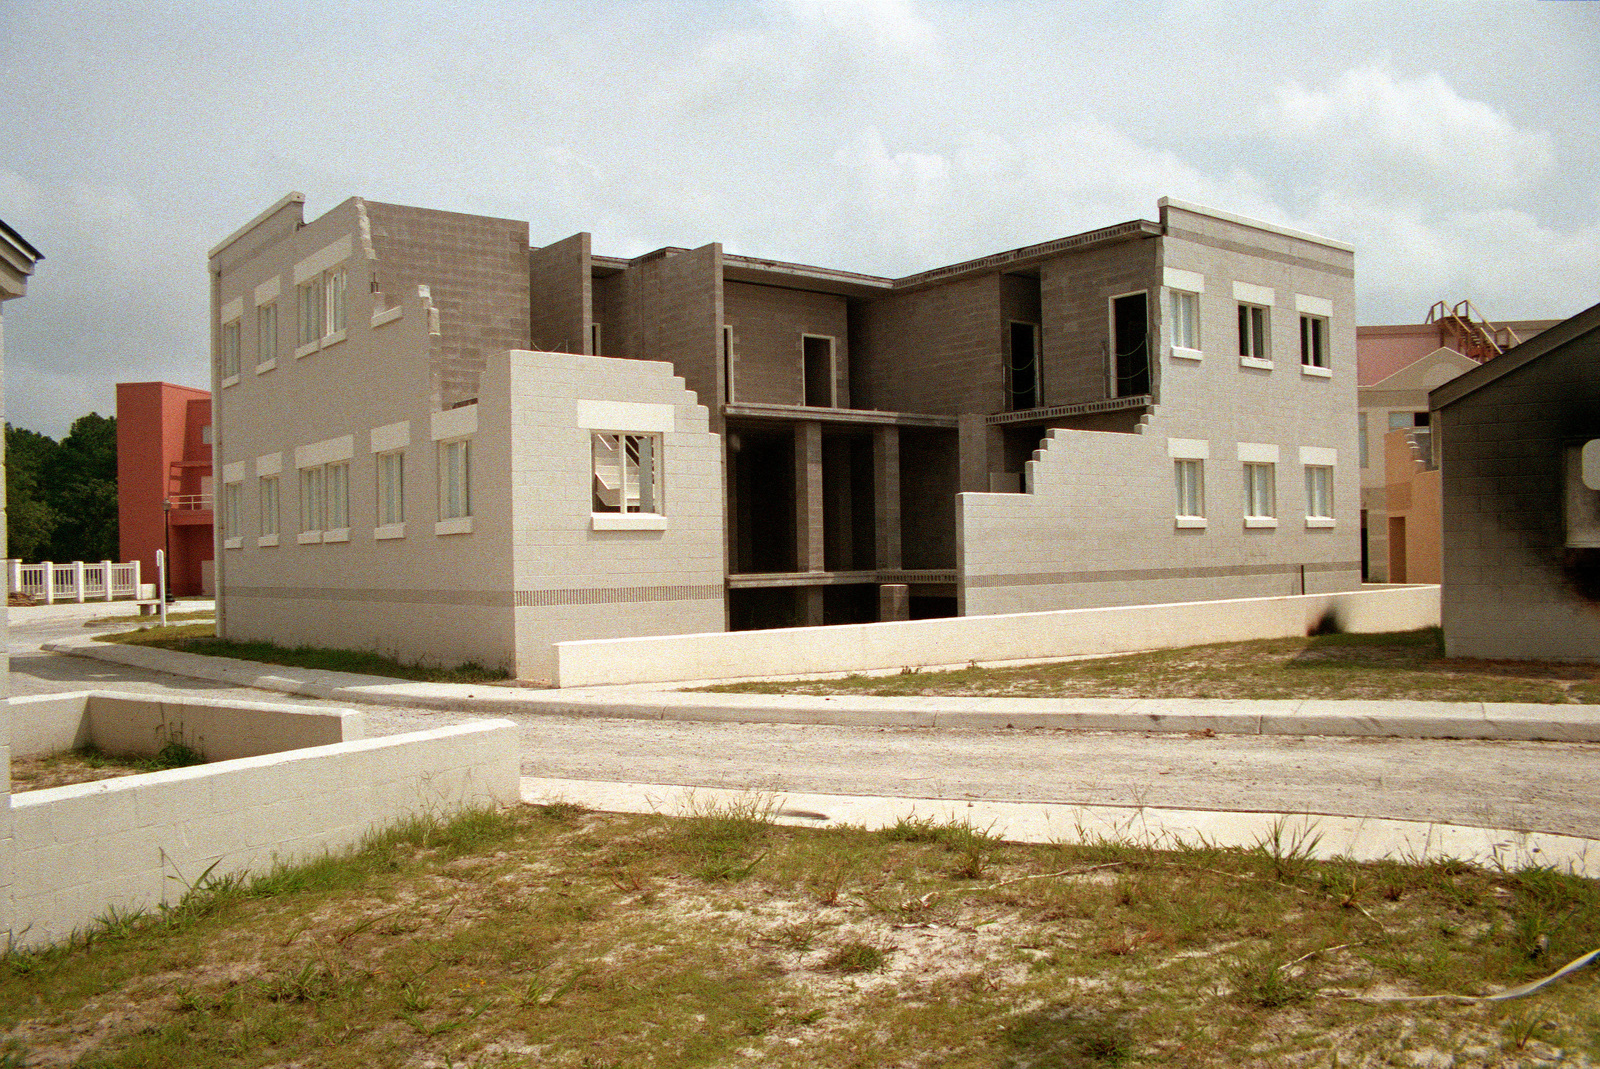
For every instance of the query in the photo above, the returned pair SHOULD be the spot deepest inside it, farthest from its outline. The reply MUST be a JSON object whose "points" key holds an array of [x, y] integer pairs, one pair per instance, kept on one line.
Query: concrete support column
{"points": [[972, 446], [886, 495], [808, 509], [894, 601], [808, 602]]}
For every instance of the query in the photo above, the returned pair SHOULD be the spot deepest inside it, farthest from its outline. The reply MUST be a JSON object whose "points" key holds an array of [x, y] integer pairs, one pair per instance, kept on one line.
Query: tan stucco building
{"points": [[440, 441]]}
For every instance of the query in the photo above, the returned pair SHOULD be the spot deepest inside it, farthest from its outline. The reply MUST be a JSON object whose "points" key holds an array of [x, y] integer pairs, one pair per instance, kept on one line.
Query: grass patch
{"points": [[90, 763], [1408, 665], [552, 936], [201, 638], [100, 621]]}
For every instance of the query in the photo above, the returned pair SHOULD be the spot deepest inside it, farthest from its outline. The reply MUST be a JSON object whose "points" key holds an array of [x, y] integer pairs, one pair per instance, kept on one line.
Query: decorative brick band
{"points": [[526, 599], [492, 599], [1149, 574]]}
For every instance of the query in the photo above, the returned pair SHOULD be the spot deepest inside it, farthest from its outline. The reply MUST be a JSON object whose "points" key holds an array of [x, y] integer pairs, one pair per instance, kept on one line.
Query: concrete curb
{"points": [[1325, 835], [1429, 720]]}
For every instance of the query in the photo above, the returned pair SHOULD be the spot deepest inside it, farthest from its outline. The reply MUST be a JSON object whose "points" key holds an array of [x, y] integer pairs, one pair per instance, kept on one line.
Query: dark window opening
{"points": [[819, 372], [1130, 339], [1022, 367]]}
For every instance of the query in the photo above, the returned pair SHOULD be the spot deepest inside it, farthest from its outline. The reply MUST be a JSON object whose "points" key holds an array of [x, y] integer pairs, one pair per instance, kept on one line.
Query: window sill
{"points": [[388, 315], [1260, 365], [1263, 522], [303, 351], [267, 540], [1180, 353], [266, 366], [333, 339], [393, 530], [306, 538], [1317, 372], [233, 543], [628, 521], [338, 534], [1325, 522], [1189, 523], [230, 380], [459, 525]]}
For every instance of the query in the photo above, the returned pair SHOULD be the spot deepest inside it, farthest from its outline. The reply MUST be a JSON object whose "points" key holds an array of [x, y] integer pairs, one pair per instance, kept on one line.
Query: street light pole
{"points": [[166, 523]]}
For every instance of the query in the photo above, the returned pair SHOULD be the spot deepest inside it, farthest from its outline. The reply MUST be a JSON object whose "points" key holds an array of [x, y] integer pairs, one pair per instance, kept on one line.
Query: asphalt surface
{"points": [[1543, 786]]}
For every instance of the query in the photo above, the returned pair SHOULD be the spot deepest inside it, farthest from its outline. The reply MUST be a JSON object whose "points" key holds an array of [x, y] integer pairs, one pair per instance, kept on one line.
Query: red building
{"points": [[164, 481]]}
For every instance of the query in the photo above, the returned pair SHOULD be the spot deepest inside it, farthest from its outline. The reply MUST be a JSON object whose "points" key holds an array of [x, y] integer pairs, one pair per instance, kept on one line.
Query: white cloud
{"points": [[1408, 138]]}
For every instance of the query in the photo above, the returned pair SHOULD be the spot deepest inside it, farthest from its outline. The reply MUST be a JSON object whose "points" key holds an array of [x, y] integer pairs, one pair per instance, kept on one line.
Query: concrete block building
{"points": [[438, 440], [1520, 444]]}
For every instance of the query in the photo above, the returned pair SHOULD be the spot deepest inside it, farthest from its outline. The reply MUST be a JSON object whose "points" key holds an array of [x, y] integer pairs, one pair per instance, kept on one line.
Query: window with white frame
{"points": [[455, 479], [1313, 341], [1185, 320], [1253, 333], [311, 500], [269, 505], [627, 473], [1319, 492], [1190, 482], [267, 333], [311, 310], [336, 490], [232, 514], [391, 488], [230, 349], [1260, 491], [333, 289]]}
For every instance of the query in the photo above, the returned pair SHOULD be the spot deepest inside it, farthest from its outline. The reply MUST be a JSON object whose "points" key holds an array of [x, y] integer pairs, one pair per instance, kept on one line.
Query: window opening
{"points": [[1189, 476], [818, 354], [455, 479], [1313, 341], [1022, 367], [1260, 491], [627, 472], [391, 489], [1319, 492], [1253, 332], [230, 349], [1185, 320], [266, 333], [310, 500], [1130, 340], [727, 363], [269, 505]]}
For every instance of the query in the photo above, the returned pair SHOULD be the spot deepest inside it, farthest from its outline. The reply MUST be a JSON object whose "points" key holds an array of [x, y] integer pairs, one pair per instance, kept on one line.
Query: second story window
{"points": [[1313, 341], [1253, 333], [627, 473], [230, 350]]}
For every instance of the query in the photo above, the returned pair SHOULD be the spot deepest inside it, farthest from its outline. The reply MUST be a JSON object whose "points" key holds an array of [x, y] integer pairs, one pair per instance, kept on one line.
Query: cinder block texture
{"points": [[134, 842]]}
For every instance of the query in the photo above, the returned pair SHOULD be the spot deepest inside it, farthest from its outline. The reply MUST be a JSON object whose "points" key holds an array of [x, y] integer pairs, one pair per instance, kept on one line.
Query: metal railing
{"points": [[50, 581]]}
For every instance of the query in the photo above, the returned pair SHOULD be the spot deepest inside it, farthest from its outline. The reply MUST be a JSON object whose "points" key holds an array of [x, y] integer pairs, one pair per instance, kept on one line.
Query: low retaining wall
{"points": [[136, 841], [794, 651], [136, 725]]}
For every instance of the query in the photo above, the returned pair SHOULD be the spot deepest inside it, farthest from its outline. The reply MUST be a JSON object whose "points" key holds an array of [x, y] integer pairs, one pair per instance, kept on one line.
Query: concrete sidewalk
{"points": [[1464, 720], [1320, 835]]}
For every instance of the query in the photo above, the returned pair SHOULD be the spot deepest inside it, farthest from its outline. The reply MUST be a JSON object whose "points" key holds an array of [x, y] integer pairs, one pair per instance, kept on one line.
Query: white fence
{"points": [[77, 580]]}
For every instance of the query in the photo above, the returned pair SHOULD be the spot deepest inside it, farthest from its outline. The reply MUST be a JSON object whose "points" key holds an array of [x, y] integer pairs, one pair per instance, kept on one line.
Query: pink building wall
{"points": [[163, 455]]}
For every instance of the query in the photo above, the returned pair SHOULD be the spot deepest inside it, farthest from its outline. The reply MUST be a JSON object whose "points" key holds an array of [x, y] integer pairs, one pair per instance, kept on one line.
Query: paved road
{"points": [[1551, 787]]}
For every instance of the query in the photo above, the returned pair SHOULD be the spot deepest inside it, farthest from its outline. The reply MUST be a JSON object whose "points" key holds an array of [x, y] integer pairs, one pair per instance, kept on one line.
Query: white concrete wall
{"points": [[572, 578], [138, 841], [984, 639], [129, 724]]}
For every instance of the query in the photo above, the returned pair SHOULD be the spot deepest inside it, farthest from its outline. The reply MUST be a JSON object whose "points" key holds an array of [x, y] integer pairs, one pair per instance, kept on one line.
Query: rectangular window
{"points": [[232, 512], [1313, 341], [336, 488], [269, 506], [1189, 477], [1260, 491], [267, 333], [333, 285], [1319, 492], [627, 473], [310, 500], [391, 488], [1185, 320], [1361, 444], [311, 310], [230, 349], [455, 479], [1253, 333]]}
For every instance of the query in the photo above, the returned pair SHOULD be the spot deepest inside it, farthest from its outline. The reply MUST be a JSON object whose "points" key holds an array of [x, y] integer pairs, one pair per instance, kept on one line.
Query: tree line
{"points": [[61, 497]]}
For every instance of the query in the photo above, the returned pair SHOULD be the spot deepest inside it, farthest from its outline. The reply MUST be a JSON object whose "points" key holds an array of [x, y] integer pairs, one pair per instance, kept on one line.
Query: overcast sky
{"points": [[1455, 145]]}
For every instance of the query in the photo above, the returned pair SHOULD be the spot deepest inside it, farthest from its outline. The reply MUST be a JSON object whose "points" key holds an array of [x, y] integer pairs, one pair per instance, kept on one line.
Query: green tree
{"points": [[30, 520], [81, 488]]}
